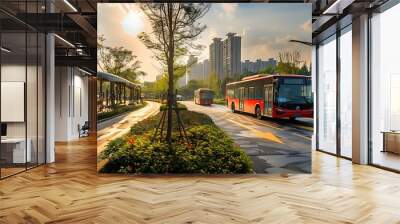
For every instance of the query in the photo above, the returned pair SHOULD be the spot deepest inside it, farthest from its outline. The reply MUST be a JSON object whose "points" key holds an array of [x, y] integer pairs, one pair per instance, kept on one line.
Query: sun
{"points": [[133, 23]]}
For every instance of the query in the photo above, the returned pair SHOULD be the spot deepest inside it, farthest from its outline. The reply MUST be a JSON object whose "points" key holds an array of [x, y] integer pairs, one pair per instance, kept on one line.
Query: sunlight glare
{"points": [[133, 23]]}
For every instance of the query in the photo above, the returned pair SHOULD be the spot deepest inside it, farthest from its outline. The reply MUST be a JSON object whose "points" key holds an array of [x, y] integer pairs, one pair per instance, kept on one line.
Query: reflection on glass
{"points": [[327, 95], [346, 93]]}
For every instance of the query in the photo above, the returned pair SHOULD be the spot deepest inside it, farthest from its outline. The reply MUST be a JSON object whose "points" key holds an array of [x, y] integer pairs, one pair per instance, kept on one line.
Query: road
{"points": [[275, 146]]}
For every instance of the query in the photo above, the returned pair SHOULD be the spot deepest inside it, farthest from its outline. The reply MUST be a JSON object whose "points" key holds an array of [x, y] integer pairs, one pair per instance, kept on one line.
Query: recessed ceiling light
{"points": [[70, 5], [64, 40], [5, 50]]}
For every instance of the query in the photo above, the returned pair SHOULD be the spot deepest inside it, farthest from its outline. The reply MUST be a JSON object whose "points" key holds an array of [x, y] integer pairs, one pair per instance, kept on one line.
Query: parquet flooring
{"points": [[70, 191]]}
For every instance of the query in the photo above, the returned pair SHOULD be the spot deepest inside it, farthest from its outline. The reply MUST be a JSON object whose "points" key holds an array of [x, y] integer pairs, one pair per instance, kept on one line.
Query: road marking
{"points": [[256, 121], [303, 136], [266, 135], [303, 127]]}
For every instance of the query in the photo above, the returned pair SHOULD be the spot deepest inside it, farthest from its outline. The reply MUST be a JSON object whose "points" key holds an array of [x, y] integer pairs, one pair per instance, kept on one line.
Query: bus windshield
{"points": [[294, 91]]}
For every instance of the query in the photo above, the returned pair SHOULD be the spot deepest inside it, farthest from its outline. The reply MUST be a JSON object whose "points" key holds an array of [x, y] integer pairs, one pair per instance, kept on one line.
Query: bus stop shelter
{"points": [[113, 91]]}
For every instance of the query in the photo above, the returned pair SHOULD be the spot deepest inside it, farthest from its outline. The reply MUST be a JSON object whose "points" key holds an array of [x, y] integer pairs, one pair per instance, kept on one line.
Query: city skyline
{"points": [[265, 30]]}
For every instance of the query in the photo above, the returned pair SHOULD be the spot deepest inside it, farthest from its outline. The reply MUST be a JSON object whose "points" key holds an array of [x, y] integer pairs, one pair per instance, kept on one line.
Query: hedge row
{"points": [[210, 150], [119, 110]]}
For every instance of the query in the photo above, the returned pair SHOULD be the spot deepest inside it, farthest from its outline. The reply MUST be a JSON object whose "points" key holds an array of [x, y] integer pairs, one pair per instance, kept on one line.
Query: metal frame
{"points": [[338, 98], [369, 98]]}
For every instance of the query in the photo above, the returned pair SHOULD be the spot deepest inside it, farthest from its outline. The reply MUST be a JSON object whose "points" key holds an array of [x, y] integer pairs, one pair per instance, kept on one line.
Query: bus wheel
{"points": [[233, 108], [258, 113]]}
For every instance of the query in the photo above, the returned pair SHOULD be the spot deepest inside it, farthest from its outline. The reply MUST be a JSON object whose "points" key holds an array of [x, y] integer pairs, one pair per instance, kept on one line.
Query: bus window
{"points": [[230, 93], [258, 92], [246, 93], [251, 92]]}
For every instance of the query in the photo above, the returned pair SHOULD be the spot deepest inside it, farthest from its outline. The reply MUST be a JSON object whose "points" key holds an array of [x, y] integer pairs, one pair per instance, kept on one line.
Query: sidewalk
{"points": [[120, 126]]}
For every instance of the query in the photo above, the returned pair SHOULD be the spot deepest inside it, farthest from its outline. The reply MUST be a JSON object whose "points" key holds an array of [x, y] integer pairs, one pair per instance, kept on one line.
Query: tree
{"points": [[212, 83], [304, 70], [118, 61], [268, 70], [188, 90], [225, 81], [288, 62], [174, 27]]}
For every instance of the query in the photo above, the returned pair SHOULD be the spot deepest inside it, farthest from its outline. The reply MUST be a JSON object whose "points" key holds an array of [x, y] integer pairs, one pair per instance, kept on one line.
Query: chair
{"points": [[84, 130]]}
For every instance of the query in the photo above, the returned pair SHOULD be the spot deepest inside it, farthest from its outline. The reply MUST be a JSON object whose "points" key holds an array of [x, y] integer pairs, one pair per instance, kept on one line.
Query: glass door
{"points": [[268, 100], [385, 90], [241, 98], [327, 95], [346, 92]]}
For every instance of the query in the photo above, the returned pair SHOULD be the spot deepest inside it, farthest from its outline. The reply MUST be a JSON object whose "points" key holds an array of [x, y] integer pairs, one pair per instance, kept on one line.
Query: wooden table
{"points": [[391, 141]]}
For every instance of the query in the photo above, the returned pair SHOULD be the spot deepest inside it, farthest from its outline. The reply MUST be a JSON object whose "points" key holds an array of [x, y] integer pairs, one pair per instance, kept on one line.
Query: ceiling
{"points": [[75, 22]]}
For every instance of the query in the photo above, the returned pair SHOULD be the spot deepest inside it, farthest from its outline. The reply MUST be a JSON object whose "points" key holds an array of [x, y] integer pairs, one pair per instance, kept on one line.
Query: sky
{"points": [[265, 28]]}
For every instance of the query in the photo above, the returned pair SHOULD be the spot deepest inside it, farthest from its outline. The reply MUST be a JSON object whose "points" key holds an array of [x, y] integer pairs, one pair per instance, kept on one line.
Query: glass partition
{"points": [[22, 101], [14, 153], [327, 95]]}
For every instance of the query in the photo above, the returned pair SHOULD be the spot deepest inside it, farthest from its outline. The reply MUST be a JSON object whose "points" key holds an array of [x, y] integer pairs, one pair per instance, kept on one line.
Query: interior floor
{"points": [[387, 159], [71, 191]]}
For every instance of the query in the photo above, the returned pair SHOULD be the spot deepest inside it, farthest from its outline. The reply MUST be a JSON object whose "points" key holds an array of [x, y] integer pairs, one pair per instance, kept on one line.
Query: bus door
{"points": [[241, 98], [268, 100]]}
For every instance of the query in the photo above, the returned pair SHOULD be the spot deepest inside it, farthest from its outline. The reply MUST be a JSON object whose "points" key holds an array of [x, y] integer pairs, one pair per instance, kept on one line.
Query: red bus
{"points": [[275, 96], [203, 96]]}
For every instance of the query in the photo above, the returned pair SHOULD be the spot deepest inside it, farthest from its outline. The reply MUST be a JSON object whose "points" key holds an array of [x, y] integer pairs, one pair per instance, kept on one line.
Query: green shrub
{"points": [[119, 110], [164, 107], [219, 101], [189, 119], [211, 150]]}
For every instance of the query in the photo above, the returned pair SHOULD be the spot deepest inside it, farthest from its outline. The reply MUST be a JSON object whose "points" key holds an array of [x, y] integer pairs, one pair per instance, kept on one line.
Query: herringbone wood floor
{"points": [[70, 191]]}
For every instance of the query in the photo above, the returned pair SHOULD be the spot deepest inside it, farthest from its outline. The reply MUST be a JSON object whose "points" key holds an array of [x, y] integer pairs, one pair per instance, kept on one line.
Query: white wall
{"points": [[71, 102]]}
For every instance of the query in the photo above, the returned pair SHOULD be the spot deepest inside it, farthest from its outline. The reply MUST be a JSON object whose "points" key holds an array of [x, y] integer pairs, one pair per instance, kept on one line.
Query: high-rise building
{"points": [[206, 69], [197, 70], [258, 65], [216, 60], [231, 55]]}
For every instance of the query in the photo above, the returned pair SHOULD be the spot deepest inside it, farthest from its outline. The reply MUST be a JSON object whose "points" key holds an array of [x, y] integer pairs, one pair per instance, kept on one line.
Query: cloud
{"points": [[283, 40], [244, 31], [306, 26], [229, 8]]}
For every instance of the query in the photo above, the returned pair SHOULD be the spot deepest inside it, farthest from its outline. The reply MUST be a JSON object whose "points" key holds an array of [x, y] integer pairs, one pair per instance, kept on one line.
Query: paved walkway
{"points": [[122, 126]]}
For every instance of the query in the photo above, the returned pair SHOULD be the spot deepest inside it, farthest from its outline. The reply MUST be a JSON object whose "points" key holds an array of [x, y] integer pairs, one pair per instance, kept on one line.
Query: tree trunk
{"points": [[170, 61]]}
